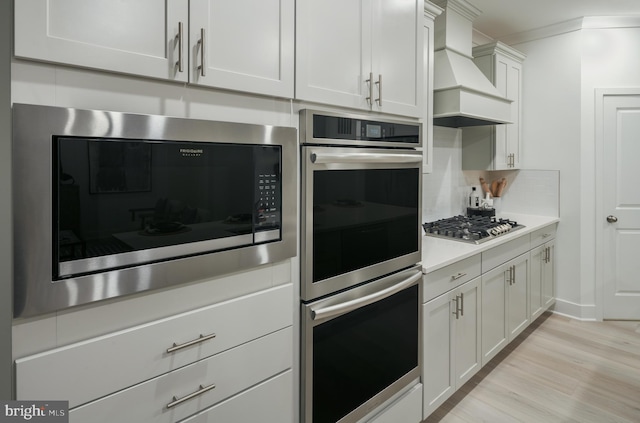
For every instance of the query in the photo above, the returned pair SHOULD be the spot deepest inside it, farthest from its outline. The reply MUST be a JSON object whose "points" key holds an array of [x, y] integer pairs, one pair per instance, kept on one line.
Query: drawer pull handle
{"points": [[546, 235], [202, 50], [201, 338], [201, 390], [458, 276], [179, 42]]}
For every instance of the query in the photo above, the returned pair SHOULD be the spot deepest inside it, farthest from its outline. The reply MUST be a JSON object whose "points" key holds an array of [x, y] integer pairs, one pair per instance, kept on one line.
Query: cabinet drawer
{"points": [[504, 252], [543, 235], [442, 280], [407, 408], [270, 401], [90, 369], [230, 372]]}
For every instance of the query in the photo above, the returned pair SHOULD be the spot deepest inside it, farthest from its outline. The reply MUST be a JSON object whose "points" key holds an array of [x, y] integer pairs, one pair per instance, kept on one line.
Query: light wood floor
{"points": [[558, 370]]}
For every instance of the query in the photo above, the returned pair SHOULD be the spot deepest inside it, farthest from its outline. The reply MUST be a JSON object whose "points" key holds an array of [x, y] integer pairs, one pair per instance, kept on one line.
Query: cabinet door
{"points": [[494, 309], [549, 276], [243, 46], [438, 378], [466, 338], [136, 37], [535, 281], [398, 66], [517, 302], [333, 52], [508, 80]]}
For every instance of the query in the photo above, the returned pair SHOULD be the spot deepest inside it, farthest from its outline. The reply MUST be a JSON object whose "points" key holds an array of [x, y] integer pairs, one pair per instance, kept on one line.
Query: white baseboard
{"points": [[575, 311]]}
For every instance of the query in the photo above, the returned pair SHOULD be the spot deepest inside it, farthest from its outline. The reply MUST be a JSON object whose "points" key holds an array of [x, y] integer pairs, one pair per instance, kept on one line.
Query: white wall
{"points": [[551, 140], [609, 60], [561, 75], [444, 190]]}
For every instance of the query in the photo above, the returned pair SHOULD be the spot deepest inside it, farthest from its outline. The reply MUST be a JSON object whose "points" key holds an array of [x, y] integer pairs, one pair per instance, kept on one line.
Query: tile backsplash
{"points": [[445, 191]]}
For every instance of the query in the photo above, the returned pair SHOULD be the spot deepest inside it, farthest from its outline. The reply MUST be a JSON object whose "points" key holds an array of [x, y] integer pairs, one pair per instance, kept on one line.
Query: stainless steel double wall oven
{"points": [[108, 203], [360, 245]]}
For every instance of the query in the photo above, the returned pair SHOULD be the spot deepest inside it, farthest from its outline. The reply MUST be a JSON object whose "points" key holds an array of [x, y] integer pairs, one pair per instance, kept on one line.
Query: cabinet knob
{"points": [[612, 219]]}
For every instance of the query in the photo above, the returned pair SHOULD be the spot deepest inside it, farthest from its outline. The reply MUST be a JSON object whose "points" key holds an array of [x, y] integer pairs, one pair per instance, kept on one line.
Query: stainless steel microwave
{"points": [[108, 204]]}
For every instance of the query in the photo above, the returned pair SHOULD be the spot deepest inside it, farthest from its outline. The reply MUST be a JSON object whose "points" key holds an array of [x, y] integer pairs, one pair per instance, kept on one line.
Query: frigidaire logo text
{"points": [[191, 152]]}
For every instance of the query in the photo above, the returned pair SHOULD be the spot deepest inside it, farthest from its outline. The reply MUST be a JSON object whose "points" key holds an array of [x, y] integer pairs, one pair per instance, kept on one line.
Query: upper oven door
{"points": [[360, 216]]}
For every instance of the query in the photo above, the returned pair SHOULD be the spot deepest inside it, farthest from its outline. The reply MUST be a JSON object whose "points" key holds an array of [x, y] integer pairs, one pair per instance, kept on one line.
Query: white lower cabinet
{"points": [[270, 401], [186, 391], [505, 312], [206, 360], [542, 278], [476, 306], [452, 342]]}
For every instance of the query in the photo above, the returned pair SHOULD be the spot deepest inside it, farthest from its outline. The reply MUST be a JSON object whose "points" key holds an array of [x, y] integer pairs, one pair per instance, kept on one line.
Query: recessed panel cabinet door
{"points": [[139, 37], [243, 46], [397, 65], [333, 52]]}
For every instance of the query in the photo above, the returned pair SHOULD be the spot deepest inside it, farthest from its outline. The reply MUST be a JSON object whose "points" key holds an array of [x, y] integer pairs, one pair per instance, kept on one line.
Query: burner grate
{"points": [[474, 229]]}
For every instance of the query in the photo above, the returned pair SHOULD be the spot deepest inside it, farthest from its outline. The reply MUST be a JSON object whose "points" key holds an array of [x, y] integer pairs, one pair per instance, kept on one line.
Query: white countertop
{"points": [[440, 252]]}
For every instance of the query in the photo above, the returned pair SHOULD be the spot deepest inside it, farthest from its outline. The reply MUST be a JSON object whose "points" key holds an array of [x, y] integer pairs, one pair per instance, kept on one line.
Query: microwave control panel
{"points": [[268, 195], [268, 204]]}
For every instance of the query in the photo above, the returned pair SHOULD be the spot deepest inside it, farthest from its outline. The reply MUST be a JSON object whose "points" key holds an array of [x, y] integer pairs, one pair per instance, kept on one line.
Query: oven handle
{"points": [[343, 308], [364, 158]]}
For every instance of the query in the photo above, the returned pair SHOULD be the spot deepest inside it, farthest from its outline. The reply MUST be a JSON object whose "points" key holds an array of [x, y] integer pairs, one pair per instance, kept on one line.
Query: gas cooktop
{"points": [[473, 229]]}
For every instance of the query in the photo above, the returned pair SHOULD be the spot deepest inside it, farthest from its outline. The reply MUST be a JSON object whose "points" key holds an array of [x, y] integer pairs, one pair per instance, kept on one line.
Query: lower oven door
{"points": [[360, 218], [360, 347]]}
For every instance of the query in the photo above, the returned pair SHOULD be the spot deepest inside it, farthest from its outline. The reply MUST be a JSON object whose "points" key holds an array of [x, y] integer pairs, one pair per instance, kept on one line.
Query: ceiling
{"points": [[500, 18]]}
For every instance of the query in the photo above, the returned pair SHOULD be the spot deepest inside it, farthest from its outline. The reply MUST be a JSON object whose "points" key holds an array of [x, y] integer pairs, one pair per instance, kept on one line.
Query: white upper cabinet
{"points": [[497, 147], [138, 37], [365, 54], [397, 56], [248, 46]]}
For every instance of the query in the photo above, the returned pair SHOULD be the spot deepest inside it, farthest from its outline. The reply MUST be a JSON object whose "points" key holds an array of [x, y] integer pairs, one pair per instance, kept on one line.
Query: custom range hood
{"points": [[462, 94]]}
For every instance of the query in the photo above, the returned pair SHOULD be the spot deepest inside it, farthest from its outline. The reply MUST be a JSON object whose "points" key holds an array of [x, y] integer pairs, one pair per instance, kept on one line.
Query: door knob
{"points": [[612, 219]]}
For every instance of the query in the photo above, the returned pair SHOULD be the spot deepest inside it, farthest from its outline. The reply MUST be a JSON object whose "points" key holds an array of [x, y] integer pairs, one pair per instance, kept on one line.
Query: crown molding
{"points": [[577, 24], [431, 10], [544, 32]]}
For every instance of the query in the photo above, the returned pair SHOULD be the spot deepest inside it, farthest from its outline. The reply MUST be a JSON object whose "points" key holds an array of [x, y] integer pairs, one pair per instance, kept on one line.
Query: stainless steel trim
{"points": [[265, 236], [201, 390], [456, 311], [343, 308], [379, 84], [201, 42], [306, 129], [389, 159], [35, 291], [308, 323], [95, 264], [330, 156], [201, 338], [179, 63]]}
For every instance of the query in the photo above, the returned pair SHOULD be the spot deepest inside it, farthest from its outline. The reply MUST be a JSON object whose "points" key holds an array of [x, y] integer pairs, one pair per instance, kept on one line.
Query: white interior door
{"points": [[620, 215]]}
